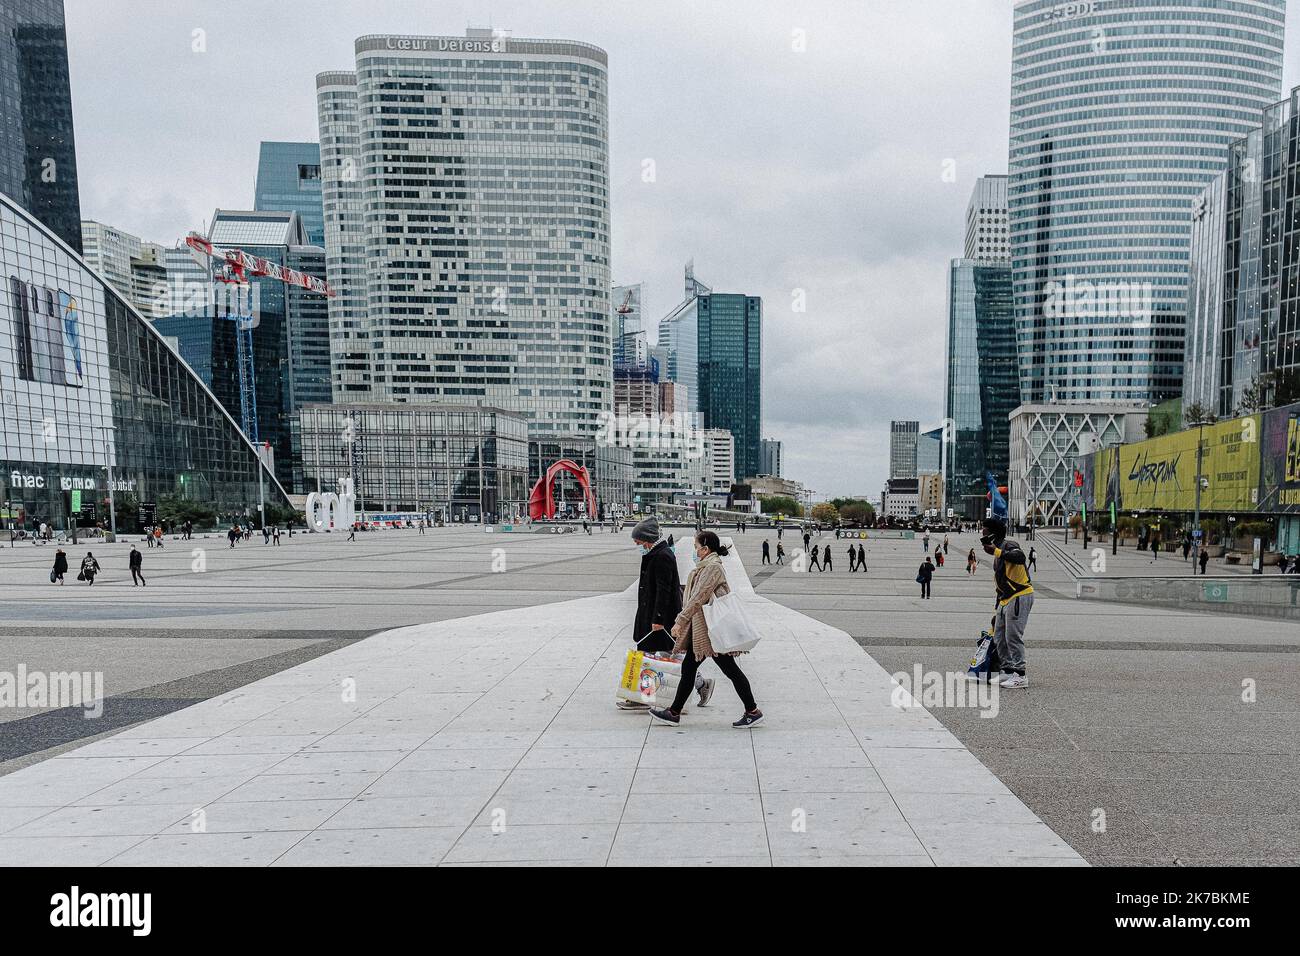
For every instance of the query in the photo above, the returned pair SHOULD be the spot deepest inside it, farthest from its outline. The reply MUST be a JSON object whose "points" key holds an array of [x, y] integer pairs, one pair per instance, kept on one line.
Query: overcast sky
{"points": [[776, 169]]}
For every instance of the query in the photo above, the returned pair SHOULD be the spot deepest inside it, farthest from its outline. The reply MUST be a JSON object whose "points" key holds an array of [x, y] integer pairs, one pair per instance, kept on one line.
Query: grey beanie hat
{"points": [[646, 530]]}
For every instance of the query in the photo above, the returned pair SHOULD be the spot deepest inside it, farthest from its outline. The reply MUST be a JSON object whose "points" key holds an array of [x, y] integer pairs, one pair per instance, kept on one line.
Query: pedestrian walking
{"points": [[972, 562], [826, 559], [89, 568], [158, 536], [1033, 560], [862, 558], [135, 562], [767, 552], [923, 576], [1204, 559], [658, 603], [853, 559], [816, 562], [705, 582], [806, 538], [60, 567], [148, 537], [780, 553], [1155, 550], [925, 542], [945, 545], [352, 532], [1187, 547], [1015, 599]]}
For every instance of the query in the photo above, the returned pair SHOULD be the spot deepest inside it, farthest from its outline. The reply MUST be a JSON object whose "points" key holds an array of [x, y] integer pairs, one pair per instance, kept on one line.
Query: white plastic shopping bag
{"points": [[730, 628]]}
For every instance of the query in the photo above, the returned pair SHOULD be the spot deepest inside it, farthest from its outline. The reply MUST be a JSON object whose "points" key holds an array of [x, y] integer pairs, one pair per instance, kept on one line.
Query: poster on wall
{"points": [[1279, 471]]}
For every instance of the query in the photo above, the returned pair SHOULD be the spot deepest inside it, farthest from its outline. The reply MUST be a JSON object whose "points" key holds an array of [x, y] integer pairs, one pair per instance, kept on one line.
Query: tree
{"points": [[825, 513], [856, 512], [1253, 397], [1196, 412], [780, 504]]}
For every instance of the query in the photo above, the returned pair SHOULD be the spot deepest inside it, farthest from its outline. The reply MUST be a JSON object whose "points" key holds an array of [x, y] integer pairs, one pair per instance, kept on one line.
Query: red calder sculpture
{"points": [[541, 503]]}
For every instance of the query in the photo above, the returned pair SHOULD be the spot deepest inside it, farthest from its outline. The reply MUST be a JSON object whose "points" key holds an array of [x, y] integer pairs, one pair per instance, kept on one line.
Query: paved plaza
{"points": [[448, 699]]}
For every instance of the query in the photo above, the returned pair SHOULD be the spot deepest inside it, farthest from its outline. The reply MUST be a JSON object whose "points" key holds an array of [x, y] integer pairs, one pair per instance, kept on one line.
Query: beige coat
{"points": [[705, 582]]}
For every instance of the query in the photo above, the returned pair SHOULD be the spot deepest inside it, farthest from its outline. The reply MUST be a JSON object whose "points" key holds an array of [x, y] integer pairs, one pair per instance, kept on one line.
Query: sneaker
{"points": [[664, 715], [632, 705], [706, 691], [1015, 681], [749, 720]]}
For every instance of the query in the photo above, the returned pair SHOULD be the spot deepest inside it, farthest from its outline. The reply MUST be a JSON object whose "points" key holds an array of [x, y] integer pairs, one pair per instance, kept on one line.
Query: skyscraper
{"points": [[902, 449], [771, 462], [38, 159], [1120, 115], [1244, 328], [982, 383], [288, 180], [482, 166], [729, 360], [987, 237]]}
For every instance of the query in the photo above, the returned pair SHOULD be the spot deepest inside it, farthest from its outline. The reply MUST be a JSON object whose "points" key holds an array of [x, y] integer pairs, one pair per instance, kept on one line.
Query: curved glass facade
{"points": [[87, 385], [473, 173], [1122, 111]]}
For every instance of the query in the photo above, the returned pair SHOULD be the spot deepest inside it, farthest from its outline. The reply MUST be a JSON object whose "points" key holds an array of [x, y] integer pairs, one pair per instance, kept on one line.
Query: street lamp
{"points": [[1197, 534]]}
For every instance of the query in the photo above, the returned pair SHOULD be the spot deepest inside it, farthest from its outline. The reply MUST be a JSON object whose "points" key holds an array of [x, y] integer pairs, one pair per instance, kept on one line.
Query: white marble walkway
{"points": [[494, 740]]}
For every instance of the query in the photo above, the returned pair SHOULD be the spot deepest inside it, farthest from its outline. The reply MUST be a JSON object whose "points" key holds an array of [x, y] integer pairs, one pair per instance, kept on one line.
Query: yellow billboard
{"points": [[1160, 473]]}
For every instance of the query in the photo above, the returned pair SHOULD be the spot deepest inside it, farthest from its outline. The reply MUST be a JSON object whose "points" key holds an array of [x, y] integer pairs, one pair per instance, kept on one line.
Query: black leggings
{"points": [[727, 664]]}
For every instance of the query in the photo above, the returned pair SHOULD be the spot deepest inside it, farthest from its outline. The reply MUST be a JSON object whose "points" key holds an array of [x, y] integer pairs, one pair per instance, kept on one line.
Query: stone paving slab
{"points": [[494, 739]]}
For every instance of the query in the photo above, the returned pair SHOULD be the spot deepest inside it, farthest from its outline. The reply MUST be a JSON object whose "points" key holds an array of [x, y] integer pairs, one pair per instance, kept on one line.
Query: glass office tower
{"points": [[90, 391], [1245, 330], [730, 359], [1121, 113], [38, 159], [983, 386], [481, 164], [288, 180]]}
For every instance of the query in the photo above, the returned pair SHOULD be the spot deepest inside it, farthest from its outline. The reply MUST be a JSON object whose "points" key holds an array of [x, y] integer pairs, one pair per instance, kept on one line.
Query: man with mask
{"points": [[1015, 598], [658, 602]]}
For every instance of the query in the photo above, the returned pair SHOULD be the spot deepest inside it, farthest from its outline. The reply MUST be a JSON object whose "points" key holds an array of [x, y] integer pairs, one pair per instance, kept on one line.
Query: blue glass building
{"points": [[288, 180], [729, 359], [983, 386]]}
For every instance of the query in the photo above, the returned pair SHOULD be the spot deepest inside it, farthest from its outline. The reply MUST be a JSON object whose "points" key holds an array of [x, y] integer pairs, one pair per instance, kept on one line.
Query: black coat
{"points": [[658, 597], [60, 564], [926, 572], [136, 560]]}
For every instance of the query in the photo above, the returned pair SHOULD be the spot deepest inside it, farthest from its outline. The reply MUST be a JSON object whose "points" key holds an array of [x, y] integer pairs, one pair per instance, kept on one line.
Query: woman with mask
{"points": [[705, 582]]}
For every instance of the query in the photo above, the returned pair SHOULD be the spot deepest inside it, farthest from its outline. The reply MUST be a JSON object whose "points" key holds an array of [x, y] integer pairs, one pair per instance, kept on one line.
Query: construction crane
{"points": [[626, 307], [234, 267]]}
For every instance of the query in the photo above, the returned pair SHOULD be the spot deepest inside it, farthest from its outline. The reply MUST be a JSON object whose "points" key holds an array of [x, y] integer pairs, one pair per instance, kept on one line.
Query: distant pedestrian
{"points": [[1033, 560], [862, 558], [826, 559], [853, 559], [1155, 550], [806, 538], [135, 562], [972, 562], [89, 568], [923, 576], [925, 542], [816, 561], [780, 553], [275, 534], [158, 535], [352, 532], [148, 537], [767, 552], [938, 557], [1204, 559], [1187, 547], [60, 567], [945, 545]]}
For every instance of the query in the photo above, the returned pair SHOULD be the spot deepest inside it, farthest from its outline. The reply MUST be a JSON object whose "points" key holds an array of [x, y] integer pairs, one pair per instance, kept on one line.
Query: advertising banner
{"points": [[1279, 478], [1160, 473]]}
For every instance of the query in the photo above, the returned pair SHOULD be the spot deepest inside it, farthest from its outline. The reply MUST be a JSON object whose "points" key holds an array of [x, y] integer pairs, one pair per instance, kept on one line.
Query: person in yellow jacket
{"points": [[1015, 599]]}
